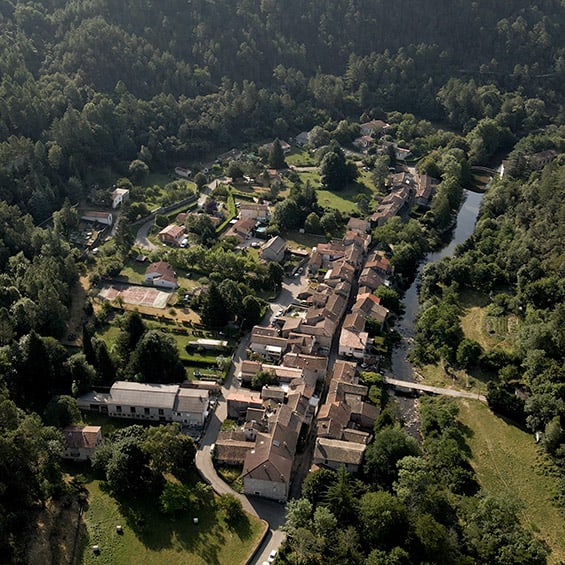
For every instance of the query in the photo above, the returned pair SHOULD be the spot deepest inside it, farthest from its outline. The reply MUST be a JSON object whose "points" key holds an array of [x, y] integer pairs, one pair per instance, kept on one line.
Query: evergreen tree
{"points": [[276, 156], [214, 313]]}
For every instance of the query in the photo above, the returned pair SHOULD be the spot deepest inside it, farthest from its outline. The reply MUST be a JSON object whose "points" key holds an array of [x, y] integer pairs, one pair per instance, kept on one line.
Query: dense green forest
{"points": [[89, 86]]}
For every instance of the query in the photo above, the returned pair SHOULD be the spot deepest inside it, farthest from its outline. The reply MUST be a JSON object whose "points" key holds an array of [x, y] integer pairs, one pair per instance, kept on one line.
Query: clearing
{"points": [[508, 463], [149, 537]]}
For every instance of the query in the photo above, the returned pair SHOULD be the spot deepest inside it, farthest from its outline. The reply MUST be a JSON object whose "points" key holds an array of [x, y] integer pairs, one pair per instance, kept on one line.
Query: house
{"points": [[370, 279], [242, 229], [104, 218], [333, 419], [363, 414], [183, 172], [396, 202], [119, 196], [231, 155], [81, 441], [150, 402], [191, 407], [302, 138], [257, 212], [357, 224], [239, 402], [161, 274], [425, 190], [231, 447], [364, 142], [274, 249], [353, 343], [173, 234], [368, 305], [373, 127], [312, 366], [335, 454], [542, 158], [266, 342], [267, 468]]}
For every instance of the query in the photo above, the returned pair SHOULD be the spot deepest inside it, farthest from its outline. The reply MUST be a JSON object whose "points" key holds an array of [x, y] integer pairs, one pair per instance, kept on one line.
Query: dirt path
{"points": [[79, 294]]}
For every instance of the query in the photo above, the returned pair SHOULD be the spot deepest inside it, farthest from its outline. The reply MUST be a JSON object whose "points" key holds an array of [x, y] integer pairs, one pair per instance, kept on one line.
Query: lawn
{"points": [[151, 538], [295, 239], [300, 158], [488, 330], [508, 463]]}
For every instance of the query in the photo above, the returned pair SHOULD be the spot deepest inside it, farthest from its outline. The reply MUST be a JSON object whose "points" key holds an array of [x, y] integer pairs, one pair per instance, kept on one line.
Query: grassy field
{"points": [[488, 330], [155, 539], [434, 375], [508, 462]]}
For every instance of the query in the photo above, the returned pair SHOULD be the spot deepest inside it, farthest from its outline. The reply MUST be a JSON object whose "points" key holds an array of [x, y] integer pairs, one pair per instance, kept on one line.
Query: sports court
{"points": [[136, 295]]}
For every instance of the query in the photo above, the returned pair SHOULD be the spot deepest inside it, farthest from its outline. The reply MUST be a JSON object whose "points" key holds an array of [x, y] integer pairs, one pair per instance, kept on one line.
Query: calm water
{"points": [[401, 367]]}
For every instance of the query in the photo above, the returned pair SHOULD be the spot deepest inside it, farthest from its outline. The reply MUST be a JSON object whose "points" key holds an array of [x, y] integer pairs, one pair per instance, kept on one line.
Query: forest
{"points": [[89, 88]]}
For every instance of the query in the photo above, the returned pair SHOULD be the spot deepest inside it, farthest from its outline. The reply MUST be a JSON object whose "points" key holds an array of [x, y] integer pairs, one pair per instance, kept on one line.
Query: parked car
{"points": [[272, 555]]}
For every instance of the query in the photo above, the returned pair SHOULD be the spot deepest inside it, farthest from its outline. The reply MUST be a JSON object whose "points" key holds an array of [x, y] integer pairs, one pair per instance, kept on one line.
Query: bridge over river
{"points": [[433, 389]]}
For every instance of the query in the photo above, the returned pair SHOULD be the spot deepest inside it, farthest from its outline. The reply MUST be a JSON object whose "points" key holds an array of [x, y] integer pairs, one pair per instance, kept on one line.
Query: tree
{"points": [[263, 378], [312, 224], [335, 172], [316, 484], [468, 353], [200, 180], [62, 411], [276, 156], [138, 170], [286, 214], [175, 498], [170, 450], [383, 520], [128, 470], [252, 310], [275, 273], [231, 507], [381, 457], [81, 373], [298, 514], [214, 313], [133, 329], [341, 498], [234, 171], [156, 359], [389, 298]]}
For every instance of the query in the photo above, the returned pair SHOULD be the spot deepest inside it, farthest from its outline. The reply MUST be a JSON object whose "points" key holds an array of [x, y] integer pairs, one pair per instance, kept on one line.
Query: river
{"points": [[466, 219]]}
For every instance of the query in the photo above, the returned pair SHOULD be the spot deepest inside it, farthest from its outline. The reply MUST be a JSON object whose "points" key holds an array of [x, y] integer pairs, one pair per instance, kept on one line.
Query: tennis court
{"points": [[136, 295]]}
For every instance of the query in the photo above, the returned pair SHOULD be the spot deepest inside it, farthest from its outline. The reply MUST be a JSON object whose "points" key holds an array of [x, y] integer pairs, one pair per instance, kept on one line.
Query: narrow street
{"points": [[272, 512]]}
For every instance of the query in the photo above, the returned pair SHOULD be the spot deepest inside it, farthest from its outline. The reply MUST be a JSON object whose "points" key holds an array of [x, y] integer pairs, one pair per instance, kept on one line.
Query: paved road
{"points": [[434, 389], [141, 239], [272, 512]]}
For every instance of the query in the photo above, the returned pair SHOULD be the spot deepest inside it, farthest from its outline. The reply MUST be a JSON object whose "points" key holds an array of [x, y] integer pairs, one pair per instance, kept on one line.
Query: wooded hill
{"points": [[86, 87]]}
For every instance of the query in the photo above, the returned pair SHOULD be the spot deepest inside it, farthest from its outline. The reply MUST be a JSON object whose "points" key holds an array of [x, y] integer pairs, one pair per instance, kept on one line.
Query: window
{"points": [[146, 410], [132, 409], [161, 412], [119, 409]]}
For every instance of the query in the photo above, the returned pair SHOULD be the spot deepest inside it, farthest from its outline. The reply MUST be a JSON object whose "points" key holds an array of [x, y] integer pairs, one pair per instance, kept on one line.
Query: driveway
{"points": [[141, 239]]}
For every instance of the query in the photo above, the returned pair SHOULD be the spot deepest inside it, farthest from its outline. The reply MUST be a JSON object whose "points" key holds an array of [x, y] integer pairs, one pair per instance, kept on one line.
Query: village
{"points": [[311, 353]]}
